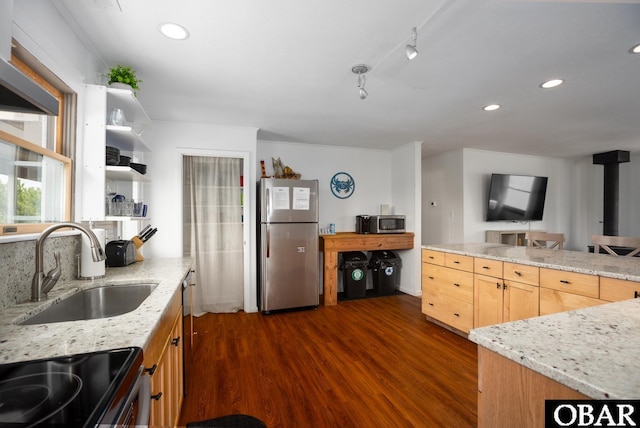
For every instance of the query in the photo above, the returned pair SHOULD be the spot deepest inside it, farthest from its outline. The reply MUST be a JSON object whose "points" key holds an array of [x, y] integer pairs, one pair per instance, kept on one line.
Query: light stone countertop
{"points": [[593, 350], [30, 342], [626, 268]]}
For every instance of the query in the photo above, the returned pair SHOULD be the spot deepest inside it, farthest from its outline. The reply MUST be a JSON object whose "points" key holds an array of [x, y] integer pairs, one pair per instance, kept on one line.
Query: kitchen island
{"points": [[585, 353], [136, 328]]}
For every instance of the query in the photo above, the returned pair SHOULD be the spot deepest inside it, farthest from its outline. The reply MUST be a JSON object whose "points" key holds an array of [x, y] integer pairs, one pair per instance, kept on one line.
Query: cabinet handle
{"points": [[456, 262], [636, 294], [431, 257], [485, 267], [564, 281], [504, 286], [497, 285], [151, 370], [517, 273], [430, 304], [430, 277], [456, 284], [175, 341], [157, 396], [456, 314]]}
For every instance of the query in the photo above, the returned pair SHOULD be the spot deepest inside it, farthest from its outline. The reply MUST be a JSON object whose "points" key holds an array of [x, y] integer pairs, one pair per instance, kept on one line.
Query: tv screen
{"points": [[516, 197]]}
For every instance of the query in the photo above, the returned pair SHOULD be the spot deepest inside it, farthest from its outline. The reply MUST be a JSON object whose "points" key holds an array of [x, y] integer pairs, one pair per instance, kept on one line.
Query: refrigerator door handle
{"points": [[267, 196], [268, 241]]}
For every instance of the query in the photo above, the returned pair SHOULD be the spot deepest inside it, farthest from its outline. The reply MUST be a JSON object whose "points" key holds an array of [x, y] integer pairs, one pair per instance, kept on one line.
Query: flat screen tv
{"points": [[516, 197]]}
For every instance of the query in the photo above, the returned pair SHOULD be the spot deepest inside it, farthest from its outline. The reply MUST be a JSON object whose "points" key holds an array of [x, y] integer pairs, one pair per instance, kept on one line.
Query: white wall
{"points": [[406, 193], [381, 177], [369, 168], [573, 204], [478, 166], [442, 220], [168, 142]]}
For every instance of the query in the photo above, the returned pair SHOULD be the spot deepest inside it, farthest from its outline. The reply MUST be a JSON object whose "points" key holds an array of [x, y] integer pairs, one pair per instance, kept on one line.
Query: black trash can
{"points": [[385, 267], [354, 270]]}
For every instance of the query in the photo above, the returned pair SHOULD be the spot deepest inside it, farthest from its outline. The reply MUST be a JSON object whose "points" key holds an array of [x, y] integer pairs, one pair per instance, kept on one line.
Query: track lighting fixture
{"points": [[360, 70], [410, 50]]}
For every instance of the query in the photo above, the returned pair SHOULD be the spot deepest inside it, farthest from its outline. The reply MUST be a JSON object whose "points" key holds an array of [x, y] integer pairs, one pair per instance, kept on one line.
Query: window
{"points": [[35, 170]]}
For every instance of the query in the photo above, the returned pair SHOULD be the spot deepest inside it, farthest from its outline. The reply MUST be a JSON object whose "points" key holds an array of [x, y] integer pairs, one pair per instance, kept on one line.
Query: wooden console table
{"points": [[331, 245]]}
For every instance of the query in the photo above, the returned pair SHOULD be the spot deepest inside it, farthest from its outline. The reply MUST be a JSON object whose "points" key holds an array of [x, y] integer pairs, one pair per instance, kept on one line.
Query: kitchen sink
{"points": [[94, 303]]}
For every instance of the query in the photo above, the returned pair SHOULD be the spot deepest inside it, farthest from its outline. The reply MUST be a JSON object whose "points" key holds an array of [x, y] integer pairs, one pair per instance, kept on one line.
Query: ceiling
{"points": [[284, 66]]}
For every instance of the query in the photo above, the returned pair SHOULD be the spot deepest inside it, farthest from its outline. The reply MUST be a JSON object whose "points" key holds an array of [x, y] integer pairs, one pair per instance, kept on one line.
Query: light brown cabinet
{"points": [[498, 299], [616, 290], [466, 292], [565, 291], [511, 395], [447, 289], [163, 361]]}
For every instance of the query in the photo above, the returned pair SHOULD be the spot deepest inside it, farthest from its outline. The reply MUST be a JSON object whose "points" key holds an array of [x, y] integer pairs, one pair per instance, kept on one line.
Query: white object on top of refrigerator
{"points": [[288, 250]]}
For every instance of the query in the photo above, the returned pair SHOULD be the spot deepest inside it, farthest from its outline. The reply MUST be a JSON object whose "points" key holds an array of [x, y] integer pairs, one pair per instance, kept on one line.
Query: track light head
{"points": [[360, 70], [410, 50], [363, 93]]}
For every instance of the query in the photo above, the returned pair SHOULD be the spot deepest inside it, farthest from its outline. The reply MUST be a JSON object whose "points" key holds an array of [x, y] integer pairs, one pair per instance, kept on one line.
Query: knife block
{"points": [[138, 243]]}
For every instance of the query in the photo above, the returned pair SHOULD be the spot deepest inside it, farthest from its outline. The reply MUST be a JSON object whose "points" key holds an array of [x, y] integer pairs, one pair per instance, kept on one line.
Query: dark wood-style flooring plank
{"points": [[363, 363]]}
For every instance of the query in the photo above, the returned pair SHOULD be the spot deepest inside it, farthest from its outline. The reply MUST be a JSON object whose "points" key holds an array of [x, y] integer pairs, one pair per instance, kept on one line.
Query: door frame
{"points": [[250, 295]]}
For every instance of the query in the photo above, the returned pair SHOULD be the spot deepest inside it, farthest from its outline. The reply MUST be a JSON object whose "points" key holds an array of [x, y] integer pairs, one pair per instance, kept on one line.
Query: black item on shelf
{"points": [[140, 167], [112, 155], [354, 269], [385, 266], [124, 161]]}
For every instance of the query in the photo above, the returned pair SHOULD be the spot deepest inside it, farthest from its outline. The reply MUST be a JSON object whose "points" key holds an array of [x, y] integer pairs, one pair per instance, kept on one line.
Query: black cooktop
{"points": [[70, 391]]}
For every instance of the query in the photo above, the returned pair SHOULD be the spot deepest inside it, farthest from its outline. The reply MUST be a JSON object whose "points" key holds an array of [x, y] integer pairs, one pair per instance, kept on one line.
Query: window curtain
{"points": [[213, 232]]}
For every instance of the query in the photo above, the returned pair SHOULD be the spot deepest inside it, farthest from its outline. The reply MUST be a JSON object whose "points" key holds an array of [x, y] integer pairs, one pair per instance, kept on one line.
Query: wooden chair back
{"points": [[605, 242], [544, 240]]}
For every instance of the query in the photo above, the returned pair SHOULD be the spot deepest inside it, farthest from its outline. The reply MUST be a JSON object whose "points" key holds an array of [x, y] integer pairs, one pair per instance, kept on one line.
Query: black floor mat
{"points": [[231, 421]]}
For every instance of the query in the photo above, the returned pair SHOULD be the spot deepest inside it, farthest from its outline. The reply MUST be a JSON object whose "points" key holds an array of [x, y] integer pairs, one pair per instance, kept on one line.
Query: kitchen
{"points": [[397, 177]]}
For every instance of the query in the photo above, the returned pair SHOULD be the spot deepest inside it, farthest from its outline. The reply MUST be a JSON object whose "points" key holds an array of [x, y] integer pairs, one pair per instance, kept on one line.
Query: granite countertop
{"points": [[626, 268], [593, 350], [30, 342]]}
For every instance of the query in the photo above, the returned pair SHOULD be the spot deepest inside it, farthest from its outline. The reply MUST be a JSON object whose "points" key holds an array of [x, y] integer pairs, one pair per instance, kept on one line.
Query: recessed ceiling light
{"points": [[174, 31], [491, 107], [551, 83], [635, 49]]}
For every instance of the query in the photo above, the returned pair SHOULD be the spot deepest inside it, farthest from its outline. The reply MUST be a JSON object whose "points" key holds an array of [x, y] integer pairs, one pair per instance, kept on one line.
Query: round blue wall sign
{"points": [[342, 185]]}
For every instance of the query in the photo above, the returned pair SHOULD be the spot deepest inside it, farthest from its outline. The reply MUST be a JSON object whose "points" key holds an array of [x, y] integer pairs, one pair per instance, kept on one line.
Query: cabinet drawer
{"points": [[457, 261], [487, 267], [450, 311], [570, 282], [522, 273], [433, 257], [554, 301], [449, 282], [615, 290]]}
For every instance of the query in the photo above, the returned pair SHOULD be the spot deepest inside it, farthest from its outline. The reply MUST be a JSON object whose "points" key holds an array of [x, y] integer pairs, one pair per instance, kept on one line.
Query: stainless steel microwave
{"points": [[387, 224]]}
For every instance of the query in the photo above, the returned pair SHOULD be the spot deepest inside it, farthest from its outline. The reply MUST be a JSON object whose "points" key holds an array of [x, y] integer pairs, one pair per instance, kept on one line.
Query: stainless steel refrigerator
{"points": [[288, 250]]}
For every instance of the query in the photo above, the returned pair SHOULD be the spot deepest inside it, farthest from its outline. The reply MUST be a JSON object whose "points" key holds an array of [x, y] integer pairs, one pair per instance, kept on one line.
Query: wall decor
{"points": [[342, 185]]}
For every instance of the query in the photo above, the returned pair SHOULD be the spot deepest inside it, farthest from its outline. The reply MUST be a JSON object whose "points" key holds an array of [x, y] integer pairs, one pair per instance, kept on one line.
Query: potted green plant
{"points": [[125, 75]]}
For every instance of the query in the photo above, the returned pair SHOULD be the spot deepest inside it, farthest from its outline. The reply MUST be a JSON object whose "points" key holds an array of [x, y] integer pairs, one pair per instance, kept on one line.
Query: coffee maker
{"points": [[363, 224]]}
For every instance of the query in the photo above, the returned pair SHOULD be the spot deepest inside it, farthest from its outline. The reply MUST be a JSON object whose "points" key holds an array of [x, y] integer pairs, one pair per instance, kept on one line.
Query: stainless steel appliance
{"points": [[288, 250], [387, 224], [104, 388]]}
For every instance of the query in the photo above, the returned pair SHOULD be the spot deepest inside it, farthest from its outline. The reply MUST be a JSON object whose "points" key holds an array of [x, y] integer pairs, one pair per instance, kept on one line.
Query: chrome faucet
{"points": [[41, 284]]}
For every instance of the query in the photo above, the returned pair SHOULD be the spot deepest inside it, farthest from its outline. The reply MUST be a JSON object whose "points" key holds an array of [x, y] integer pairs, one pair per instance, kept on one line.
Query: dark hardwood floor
{"points": [[364, 363]]}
